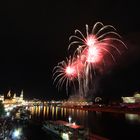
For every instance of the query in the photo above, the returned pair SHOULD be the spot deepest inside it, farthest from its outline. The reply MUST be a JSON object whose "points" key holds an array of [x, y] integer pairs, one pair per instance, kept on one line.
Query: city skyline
{"points": [[35, 37]]}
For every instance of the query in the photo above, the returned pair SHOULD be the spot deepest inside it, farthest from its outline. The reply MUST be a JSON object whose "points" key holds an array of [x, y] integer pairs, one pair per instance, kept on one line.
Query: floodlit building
{"points": [[2, 98], [133, 99], [12, 98]]}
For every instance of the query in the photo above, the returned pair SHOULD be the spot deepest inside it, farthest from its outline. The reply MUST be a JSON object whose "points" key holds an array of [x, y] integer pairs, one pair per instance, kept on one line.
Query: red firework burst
{"points": [[90, 51]]}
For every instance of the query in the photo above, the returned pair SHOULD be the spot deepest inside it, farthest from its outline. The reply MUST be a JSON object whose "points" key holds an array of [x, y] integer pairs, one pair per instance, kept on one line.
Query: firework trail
{"points": [[90, 50]]}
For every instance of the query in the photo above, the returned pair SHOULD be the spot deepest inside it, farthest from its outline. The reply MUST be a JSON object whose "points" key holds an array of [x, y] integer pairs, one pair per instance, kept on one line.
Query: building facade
{"points": [[11, 98], [133, 99]]}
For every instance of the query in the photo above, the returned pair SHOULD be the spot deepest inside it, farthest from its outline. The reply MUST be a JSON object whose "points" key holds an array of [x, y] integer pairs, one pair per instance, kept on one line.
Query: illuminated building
{"points": [[2, 98], [133, 99], [10, 98]]}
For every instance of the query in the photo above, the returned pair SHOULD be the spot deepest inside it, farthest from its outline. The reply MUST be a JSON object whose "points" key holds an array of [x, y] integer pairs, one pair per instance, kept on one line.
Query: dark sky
{"points": [[34, 38]]}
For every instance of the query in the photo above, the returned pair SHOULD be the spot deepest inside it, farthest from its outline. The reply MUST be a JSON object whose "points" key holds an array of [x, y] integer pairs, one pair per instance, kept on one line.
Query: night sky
{"points": [[34, 37]]}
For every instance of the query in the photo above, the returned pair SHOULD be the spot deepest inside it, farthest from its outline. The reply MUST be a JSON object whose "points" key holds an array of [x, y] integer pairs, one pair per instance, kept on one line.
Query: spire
{"points": [[9, 93], [21, 95], [14, 95]]}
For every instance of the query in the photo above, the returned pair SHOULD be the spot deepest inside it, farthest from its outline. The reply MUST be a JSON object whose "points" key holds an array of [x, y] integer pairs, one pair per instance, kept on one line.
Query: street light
{"points": [[8, 114], [65, 136], [70, 118], [16, 133]]}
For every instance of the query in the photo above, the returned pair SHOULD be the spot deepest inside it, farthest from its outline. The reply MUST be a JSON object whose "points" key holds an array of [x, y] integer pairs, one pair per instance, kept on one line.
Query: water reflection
{"points": [[39, 111], [47, 111], [44, 110], [54, 113], [104, 124], [132, 117]]}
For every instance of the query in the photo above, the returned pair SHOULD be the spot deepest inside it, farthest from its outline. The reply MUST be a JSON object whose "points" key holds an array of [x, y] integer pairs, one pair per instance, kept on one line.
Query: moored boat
{"points": [[64, 130]]}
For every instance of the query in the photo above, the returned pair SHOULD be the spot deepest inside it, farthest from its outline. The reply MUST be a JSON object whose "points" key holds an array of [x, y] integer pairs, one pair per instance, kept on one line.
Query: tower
{"points": [[14, 96], [21, 95], [9, 94]]}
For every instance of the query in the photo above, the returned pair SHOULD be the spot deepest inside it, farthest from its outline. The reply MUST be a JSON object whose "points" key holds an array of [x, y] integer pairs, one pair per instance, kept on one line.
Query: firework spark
{"points": [[94, 47], [67, 71], [90, 51], [64, 73], [97, 43]]}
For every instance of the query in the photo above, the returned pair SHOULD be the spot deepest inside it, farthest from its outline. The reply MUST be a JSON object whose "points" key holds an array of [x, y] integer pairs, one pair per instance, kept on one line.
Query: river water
{"points": [[114, 126]]}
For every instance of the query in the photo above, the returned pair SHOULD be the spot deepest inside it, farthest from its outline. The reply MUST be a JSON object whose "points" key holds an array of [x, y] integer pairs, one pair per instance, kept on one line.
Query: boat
{"points": [[63, 130]]}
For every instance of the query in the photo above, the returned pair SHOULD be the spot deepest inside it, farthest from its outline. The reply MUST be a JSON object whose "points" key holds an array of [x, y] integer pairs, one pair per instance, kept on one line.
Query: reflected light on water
{"points": [[65, 111], [47, 110], [38, 110], [96, 122], [44, 111], [72, 112], [53, 112], [32, 110], [61, 111], [56, 112], [132, 117]]}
